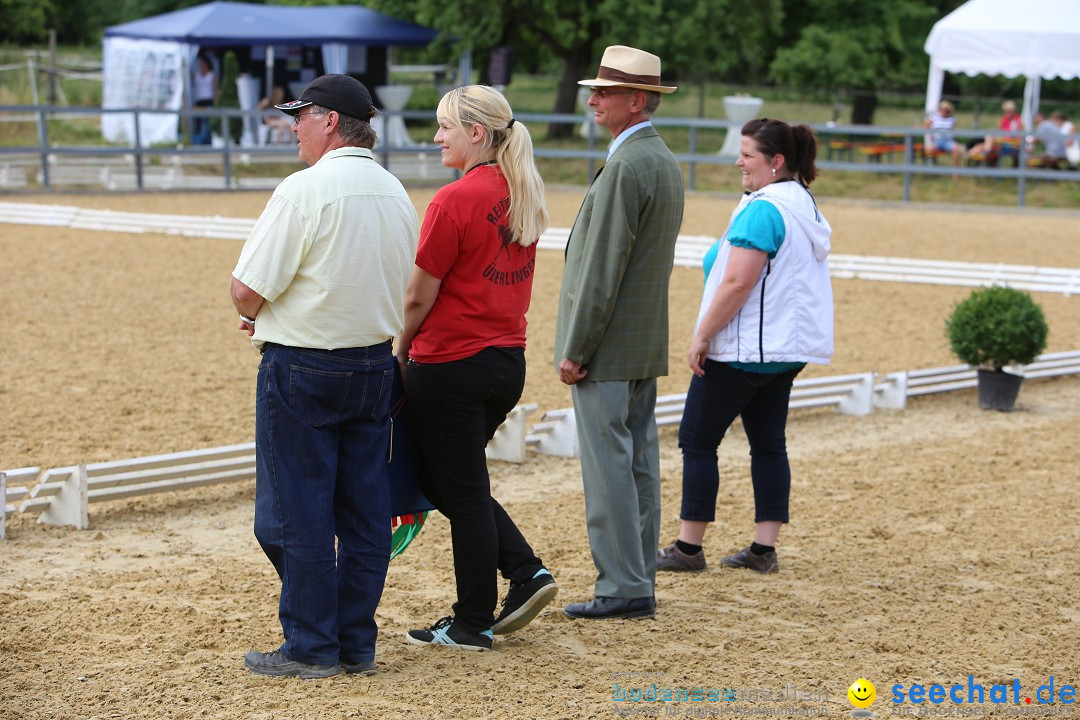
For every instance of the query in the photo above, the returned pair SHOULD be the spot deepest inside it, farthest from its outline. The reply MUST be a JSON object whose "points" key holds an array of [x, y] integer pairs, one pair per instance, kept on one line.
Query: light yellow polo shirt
{"points": [[332, 254]]}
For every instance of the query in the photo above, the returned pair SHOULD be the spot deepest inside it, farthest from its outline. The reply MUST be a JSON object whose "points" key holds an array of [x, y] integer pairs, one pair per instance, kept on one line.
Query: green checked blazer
{"points": [[613, 305]]}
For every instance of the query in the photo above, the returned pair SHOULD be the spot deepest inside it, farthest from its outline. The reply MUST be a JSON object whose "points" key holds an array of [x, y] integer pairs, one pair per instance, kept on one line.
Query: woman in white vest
{"points": [[767, 310]]}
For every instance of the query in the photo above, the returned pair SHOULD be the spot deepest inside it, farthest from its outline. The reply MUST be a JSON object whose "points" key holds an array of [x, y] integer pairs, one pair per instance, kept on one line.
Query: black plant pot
{"points": [[998, 389]]}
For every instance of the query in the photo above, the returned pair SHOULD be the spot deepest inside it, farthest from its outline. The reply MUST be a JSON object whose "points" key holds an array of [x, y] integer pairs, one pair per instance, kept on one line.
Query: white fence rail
{"points": [[62, 496], [689, 250], [895, 388]]}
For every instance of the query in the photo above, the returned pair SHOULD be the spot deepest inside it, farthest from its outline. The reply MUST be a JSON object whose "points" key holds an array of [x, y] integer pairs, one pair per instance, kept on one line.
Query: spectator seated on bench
{"points": [[941, 125], [994, 149], [1052, 135], [276, 128]]}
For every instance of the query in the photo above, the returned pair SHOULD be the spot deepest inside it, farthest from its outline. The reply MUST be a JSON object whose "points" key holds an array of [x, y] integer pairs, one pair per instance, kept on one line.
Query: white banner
{"points": [[143, 74]]}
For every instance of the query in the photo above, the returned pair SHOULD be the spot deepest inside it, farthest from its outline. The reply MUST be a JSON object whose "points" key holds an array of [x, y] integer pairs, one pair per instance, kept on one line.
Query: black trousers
{"points": [[455, 408]]}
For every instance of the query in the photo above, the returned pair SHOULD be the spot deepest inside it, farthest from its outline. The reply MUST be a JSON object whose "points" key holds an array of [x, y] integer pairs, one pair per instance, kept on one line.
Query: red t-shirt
{"points": [[486, 276]]}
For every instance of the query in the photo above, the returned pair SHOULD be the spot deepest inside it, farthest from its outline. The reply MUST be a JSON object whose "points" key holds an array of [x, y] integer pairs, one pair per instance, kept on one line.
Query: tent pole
{"points": [[268, 88], [934, 82], [465, 68], [1031, 101], [186, 126]]}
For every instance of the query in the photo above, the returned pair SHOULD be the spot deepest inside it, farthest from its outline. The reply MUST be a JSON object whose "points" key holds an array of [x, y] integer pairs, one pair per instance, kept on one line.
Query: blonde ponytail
{"points": [[485, 106]]}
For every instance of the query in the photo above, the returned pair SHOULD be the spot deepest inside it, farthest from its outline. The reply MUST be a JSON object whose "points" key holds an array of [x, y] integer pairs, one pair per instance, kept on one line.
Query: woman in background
{"points": [[204, 90], [767, 310], [463, 355]]}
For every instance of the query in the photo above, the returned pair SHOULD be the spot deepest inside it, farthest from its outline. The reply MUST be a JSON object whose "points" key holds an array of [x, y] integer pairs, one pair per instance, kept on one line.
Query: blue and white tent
{"points": [[147, 62]]}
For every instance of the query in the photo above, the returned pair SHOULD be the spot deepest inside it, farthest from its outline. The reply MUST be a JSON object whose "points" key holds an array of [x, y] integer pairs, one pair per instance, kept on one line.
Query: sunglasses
{"points": [[297, 116], [608, 92]]}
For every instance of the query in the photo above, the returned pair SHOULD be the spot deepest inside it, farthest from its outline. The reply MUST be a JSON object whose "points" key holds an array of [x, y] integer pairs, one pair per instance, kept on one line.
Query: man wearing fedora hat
{"points": [[320, 288], [611, 339]]}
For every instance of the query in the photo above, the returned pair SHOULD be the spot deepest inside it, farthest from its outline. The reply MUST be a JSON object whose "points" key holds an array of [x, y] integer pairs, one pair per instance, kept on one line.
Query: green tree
{"points": [[692, 36], [700, 41], [855, 46], [565, 29], [25, 21]]}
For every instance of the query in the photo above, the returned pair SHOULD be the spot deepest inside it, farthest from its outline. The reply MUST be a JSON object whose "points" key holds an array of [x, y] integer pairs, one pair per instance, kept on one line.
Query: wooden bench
{"points": [[874, 152], [63, 495], [928, 153]]}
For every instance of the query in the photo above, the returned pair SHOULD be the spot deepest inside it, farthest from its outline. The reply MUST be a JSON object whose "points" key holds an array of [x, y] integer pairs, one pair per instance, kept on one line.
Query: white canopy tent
{"points": [[1035, 39]]}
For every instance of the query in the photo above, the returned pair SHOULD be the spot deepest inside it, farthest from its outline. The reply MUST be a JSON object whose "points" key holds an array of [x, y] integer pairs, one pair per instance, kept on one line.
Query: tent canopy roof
{"points": [[219, 24], [1034, 38]]}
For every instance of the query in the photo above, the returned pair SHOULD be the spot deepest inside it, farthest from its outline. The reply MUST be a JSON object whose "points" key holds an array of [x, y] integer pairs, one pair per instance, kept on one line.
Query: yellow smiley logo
{"points": [[861, 694]]}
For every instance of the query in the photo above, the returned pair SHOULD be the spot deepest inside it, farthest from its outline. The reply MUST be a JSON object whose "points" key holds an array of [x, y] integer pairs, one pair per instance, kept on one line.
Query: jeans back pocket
{"points": [[318, 397]]}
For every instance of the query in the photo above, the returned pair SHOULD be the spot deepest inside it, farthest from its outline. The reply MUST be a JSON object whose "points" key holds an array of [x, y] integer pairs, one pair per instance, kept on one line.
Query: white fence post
{"points": [[69, 507], [860, 399], [557, 435], [508, 443], [892, 393]]}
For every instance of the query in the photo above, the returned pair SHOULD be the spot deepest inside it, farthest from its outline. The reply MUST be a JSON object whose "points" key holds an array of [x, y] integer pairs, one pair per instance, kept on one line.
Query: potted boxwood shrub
{"points": [[994, 327]]}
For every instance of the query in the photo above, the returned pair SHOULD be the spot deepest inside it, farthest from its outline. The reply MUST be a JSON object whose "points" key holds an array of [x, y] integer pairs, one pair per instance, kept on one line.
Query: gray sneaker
{"points": [[673, 559], [764, 564], [275, 663], [362, 668]]}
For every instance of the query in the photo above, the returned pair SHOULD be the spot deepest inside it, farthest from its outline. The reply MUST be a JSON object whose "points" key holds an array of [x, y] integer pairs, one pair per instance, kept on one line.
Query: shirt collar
{"points": [[347, 151], [621, 137]]}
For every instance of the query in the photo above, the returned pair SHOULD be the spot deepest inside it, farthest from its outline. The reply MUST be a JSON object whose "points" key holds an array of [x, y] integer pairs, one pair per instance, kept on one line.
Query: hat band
{"points": [[609, 73]]}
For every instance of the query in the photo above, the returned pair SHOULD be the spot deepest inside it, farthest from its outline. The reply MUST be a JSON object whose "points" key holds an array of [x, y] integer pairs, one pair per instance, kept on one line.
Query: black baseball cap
{"points": [[343, 93]]}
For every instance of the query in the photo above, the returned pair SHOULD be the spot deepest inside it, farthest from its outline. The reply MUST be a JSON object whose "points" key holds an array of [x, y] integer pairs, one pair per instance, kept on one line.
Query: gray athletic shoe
{"points": [[362, 668], [275, 663], [764, 564], [673, 559]]}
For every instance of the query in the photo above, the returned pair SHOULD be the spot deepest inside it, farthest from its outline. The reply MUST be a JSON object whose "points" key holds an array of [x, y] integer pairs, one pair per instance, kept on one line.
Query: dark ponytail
{"points": [[797, 144]]}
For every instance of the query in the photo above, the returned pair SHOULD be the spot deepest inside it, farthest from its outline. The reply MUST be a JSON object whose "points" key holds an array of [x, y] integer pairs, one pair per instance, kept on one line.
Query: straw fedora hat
{"points": [[624, 66]]}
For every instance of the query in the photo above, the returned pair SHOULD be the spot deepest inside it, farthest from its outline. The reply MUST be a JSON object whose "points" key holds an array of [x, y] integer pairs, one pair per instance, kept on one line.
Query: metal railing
{"points": [[848, 148]]}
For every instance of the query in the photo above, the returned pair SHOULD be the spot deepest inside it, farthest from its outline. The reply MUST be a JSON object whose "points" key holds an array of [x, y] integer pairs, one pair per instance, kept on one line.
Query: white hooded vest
{"points": [[788, 316]]}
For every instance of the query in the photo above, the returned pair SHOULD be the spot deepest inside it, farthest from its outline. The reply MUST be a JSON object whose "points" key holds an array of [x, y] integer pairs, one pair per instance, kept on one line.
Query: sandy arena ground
{"points": [[912, 556]]}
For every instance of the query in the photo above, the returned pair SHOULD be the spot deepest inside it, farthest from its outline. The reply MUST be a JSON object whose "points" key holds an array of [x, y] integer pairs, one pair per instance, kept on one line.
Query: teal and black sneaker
{"points": [[524, 601], [445, 633]]}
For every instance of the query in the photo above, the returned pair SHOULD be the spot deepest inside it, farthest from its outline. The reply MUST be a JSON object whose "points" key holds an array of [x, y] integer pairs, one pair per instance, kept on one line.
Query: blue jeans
{"points": [[201, 134], [455, 408], [321, 441], [712, 404]]}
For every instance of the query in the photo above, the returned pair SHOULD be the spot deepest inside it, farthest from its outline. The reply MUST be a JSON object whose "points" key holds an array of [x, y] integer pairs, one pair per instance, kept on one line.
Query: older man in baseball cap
{"points": [[612, 332], [319, 287]]}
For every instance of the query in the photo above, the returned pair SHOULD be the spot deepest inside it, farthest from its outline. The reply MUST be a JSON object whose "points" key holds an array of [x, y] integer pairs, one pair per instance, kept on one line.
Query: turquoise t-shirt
{"points": [[758, 227]]}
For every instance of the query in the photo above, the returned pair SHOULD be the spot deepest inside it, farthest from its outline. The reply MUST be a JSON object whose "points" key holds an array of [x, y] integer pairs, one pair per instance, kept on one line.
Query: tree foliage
{"points": [[25, 21], [845, 45], [695, 38]]}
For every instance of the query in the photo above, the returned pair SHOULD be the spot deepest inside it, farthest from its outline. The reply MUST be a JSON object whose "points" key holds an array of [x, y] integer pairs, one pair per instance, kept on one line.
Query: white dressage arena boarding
{"points": [[62, 495], [689, 250]]}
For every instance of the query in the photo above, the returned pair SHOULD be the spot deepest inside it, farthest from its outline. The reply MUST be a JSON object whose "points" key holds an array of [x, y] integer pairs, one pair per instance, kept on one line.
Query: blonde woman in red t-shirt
{"points": [[463, 355]]}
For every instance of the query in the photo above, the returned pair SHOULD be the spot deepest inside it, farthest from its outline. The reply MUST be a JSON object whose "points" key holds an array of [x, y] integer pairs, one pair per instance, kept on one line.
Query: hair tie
{"points": [[510, 124]]}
